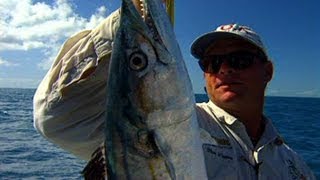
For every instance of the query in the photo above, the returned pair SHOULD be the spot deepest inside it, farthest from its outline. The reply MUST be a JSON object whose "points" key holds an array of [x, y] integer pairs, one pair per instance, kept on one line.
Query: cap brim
{"points": [[199, 46]]}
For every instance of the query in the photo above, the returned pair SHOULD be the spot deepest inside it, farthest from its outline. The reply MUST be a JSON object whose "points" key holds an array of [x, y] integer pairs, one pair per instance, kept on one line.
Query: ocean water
{"points": [[24, 154]]}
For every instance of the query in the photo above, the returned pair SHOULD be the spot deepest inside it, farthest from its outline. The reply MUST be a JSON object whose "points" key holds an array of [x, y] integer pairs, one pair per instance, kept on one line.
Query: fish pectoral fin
{"points": [[165, 150], [96, 168]]}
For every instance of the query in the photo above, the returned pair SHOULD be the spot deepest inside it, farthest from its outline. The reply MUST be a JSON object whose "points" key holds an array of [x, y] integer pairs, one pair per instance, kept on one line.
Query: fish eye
{"points": [[138, 61]]}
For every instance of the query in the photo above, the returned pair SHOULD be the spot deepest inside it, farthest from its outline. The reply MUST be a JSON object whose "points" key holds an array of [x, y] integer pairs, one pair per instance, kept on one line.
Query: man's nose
{"points": [[226, 69]]}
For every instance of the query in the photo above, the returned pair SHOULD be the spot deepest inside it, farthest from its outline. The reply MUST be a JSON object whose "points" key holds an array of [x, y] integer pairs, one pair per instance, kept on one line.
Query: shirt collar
{"points": [[269, 134], [221, 114]]}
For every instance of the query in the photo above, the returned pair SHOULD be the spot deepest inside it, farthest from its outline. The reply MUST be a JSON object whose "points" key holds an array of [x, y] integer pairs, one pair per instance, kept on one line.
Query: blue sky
{"points": [[31, 33]]}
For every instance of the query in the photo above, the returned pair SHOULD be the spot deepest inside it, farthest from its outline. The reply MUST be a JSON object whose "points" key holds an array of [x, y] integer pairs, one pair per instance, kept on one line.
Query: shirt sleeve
{"points": [[298, 167], [69, 103]]}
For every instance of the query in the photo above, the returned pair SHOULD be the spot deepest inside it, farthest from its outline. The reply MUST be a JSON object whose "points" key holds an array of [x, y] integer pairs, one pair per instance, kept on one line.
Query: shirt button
{"points": [[278, 141]]}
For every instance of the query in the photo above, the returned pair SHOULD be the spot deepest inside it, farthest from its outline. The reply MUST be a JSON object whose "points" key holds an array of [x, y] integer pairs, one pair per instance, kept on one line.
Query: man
{"points": [[238, 141]]}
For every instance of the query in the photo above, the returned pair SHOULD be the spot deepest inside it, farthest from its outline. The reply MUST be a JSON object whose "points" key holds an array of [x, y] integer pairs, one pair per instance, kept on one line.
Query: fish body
{"points": [[151, 127]]}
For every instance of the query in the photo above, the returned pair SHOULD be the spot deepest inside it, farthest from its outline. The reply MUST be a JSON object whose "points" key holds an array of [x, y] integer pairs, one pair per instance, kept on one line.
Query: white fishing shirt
{"points": [[69, 110], [230, 154], [69, 103]]}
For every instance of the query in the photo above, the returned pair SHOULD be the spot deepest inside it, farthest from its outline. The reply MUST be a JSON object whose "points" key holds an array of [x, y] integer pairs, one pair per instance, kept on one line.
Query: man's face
{"points": [[229, 86]]}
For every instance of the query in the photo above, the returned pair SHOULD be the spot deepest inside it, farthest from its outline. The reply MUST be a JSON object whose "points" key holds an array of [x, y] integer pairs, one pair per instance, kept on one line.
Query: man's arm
{"points": [[69, 103]]}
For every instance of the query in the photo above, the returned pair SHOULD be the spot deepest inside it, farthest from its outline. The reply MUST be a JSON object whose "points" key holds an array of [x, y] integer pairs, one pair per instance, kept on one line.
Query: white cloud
{"points": [[7, 63], [309, 93], [96, 18], [294, 93], [26, 25], [49, 55]]}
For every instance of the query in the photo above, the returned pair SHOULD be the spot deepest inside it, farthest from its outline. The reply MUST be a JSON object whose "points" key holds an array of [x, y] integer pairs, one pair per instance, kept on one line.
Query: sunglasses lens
{"points": [[211, 64], [215, 64], [241, 60], [237, 60]]}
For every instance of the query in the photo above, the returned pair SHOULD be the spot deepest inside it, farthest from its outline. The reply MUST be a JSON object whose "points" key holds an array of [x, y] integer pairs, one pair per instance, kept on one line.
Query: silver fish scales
{"points": [[151, 126]]}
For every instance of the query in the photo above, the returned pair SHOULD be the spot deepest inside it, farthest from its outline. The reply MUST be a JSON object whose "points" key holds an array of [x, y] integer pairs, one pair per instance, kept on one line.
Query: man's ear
{"points": [[268, 71]]}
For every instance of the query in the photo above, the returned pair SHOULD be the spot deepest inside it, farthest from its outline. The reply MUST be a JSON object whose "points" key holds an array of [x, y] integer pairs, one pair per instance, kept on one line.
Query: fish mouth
{"points": [[140, 7], [150, 19], [144, 9]]}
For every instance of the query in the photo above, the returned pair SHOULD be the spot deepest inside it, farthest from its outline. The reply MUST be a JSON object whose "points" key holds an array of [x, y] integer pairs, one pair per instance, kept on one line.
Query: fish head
{"points": [[148, 75]]}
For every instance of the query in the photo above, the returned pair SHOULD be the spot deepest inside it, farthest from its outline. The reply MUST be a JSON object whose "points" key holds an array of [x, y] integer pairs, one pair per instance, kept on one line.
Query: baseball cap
{"points": [[199, 46]]}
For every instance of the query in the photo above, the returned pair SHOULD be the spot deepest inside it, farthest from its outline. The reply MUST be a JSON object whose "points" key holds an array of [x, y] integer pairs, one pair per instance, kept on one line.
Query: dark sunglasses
{"points": [[238, 60]]}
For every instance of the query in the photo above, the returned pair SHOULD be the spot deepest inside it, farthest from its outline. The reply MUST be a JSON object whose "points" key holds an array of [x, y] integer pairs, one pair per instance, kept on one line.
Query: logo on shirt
{"points": [[294, 171], [224, 152], [221, 141]]}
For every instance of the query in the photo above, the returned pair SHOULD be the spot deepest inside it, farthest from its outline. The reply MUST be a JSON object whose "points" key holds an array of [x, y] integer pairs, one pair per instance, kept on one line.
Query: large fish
{"points": [[151, 126]]}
